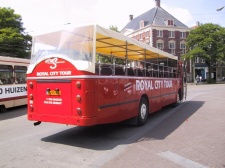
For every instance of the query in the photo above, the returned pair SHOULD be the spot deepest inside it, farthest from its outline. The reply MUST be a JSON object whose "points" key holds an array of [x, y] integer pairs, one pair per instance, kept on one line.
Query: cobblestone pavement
{"points": [[192, 136]]}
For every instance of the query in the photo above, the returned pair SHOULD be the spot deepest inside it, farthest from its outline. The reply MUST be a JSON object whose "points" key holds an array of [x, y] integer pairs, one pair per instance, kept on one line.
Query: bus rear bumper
{"points": [[80, 121]]}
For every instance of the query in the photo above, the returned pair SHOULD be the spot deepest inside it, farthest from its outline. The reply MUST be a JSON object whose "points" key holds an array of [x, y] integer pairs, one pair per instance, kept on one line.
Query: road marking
{"points": [[214, 97], [180, 160], [140, 132]]}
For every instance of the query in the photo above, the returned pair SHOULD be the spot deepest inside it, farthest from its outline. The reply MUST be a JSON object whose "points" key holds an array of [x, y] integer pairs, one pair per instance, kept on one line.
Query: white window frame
{"points": [[196, 60], [183, 47], [182, 34], [141, 24], [147, 34], [172, 47], [160, 44], [159, 33], [202, 60], [171, 34]]}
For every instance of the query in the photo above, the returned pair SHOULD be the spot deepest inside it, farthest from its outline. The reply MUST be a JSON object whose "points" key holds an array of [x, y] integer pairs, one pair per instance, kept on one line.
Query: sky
{"points": [[40, 16]]}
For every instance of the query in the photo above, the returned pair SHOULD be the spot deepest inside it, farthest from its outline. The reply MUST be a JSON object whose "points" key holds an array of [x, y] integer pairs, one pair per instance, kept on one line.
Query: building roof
{"points": [[155, 17]]}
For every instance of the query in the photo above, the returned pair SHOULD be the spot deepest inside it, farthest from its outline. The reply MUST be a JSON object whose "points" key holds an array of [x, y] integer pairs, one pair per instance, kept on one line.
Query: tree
{"points": [[114, 28], [14, 41], [207, 42]]}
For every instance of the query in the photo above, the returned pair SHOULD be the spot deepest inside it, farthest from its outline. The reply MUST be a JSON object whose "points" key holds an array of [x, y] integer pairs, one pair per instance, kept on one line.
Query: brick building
{"points": [[159, 29]]}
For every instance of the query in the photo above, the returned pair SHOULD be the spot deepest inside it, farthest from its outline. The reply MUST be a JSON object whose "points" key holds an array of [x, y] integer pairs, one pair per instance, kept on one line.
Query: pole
{"points": [[193, 62]]}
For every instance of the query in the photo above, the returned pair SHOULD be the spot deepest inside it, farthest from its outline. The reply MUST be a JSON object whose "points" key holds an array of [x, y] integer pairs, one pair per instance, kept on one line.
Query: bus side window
{"points": [[130, 72], [106, 71], [20, 74], [6, 74]]}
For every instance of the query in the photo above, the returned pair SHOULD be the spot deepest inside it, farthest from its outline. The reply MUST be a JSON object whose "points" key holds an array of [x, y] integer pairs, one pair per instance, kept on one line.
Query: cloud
{"points": [[181, 14], [117, 12], [42, 15]]}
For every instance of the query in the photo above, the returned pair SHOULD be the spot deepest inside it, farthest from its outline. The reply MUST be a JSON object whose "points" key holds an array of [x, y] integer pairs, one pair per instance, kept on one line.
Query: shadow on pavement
{"points": [[99, 137], [13, 112], [106, 137], [170, 124]]}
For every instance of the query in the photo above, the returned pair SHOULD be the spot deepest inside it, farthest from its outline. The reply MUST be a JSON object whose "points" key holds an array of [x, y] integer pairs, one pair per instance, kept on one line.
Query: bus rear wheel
{"points": [[142, 112]]}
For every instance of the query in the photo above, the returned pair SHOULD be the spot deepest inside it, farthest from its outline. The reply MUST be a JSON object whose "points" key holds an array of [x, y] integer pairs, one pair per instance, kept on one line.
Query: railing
{"points": [[154, 71], [134, 68]]}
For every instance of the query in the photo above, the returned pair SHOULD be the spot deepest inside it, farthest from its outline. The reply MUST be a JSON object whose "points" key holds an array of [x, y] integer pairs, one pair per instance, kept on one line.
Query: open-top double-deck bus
{"points": [[91, 75], [13, 88]]}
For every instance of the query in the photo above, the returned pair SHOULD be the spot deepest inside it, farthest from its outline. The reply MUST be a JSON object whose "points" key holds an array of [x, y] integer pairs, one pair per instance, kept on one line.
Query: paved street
{"points": [[190, 135]]}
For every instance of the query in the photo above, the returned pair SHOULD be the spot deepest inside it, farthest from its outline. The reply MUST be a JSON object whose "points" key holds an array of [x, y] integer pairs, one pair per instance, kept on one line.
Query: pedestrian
{"points": [[197, 79]]}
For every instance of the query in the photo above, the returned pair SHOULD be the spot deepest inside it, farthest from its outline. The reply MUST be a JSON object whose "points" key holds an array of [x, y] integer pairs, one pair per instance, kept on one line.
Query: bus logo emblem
{"points": [[54, 62]]}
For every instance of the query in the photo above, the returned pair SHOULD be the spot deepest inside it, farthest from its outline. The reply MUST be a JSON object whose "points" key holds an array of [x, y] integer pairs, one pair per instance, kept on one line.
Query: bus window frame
{"points": [[22, 78], [6, 78]]}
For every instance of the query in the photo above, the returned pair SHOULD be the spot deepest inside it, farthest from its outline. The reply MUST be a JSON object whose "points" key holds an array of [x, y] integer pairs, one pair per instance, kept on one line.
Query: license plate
{"points": [[53, 93]]}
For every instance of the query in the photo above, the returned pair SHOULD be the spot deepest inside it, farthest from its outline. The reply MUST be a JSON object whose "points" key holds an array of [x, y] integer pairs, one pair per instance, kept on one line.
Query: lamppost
{"points": [[220, 8], [222, 61], [193, 69]]}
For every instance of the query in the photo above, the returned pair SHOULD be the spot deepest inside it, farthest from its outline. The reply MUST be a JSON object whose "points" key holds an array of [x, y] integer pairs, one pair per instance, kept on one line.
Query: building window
{"points": [[147, 34], [203, 60], [183, 48], [169, 22], [196, 60], [171, 34], [159, 33], [159, 44], [172, 47], [141, 24], [182, 34]]}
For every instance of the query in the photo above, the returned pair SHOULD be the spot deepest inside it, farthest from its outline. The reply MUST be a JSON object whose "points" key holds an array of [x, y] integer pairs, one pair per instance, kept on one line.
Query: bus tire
{"points": [[2, 108], [142, 112]]}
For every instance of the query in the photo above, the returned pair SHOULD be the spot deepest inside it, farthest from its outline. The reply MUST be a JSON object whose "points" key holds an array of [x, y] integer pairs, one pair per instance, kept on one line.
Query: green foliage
{"points": [[114, 28], [208, 42], [103, 59], [13, 40]]}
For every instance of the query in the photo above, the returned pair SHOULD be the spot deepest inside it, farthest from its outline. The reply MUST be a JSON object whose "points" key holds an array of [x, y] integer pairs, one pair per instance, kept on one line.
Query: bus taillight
{"points": [[78, 84], [31, 99], [78, 98], [79, 111], [31, 108], [31, 85]]}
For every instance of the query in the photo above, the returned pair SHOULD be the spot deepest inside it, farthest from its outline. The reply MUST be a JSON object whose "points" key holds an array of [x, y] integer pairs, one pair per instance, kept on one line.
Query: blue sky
{"points": [[45, 15]]}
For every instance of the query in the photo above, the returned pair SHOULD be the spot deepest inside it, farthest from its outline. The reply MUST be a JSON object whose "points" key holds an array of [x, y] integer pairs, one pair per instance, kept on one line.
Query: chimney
{"points": [[157, 3], [131, 17], [197, 23]]}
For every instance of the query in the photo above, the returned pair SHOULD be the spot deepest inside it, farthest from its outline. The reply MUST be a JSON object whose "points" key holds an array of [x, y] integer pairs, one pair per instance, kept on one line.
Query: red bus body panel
{"points": [[103, 99]]}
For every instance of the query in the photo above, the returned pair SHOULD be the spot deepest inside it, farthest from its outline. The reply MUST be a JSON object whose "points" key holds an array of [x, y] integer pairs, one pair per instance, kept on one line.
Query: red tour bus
{"points": [[91, 75]]}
